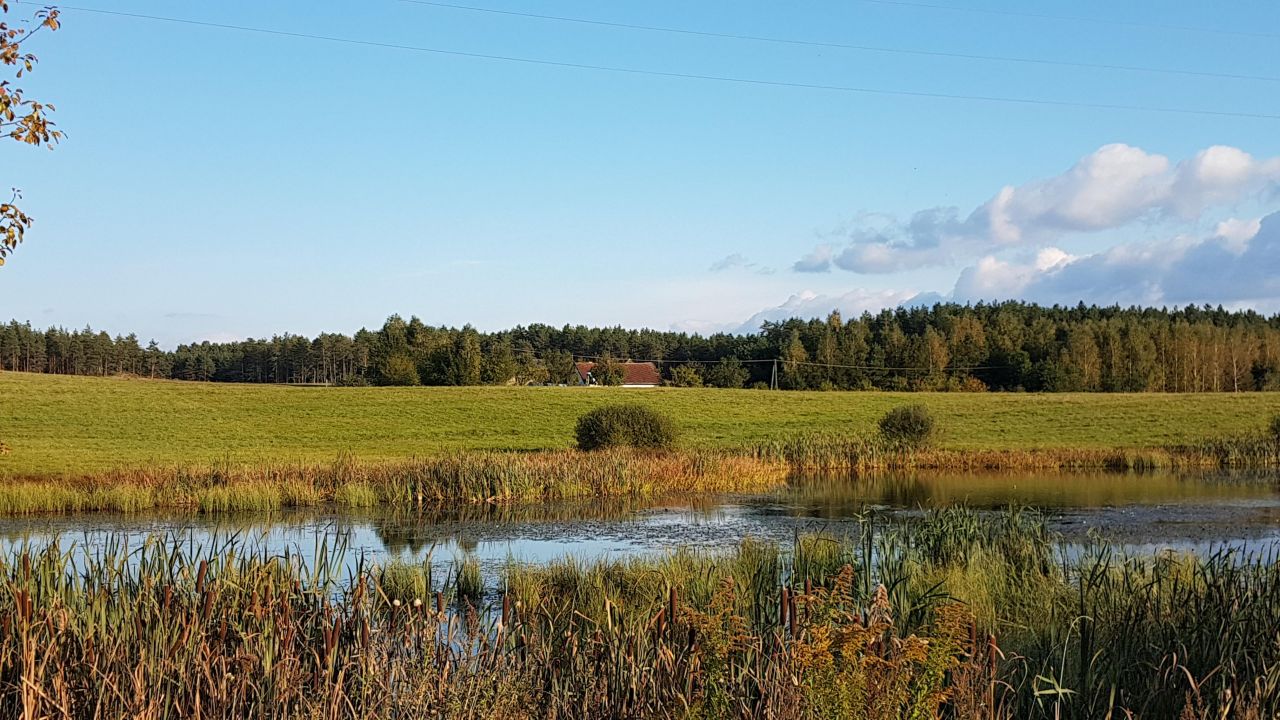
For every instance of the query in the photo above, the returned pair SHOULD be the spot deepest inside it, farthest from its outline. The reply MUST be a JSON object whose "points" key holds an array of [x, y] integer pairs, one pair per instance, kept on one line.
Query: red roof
{"points": [[633, 373]]}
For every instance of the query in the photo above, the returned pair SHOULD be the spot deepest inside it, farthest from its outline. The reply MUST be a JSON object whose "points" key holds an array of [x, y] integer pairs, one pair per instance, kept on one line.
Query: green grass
{"points": [[62, 424]]}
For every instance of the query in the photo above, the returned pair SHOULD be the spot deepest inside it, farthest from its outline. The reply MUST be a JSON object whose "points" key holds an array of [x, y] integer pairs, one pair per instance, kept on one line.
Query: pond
{"points": [[1140, 512]]}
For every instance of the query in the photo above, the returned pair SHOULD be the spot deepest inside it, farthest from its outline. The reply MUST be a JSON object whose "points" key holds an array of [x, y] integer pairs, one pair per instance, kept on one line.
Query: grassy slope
{"points": [[57, 424]]}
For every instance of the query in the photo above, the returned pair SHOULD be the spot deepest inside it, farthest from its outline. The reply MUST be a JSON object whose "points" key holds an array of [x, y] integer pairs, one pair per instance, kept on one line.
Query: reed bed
{"points": [[957, 615], [474, 477], [505, 478], [831, 451]]}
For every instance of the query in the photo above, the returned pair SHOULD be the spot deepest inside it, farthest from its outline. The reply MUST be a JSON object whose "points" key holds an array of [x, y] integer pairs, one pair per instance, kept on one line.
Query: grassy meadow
{"points": [[63, 425]]}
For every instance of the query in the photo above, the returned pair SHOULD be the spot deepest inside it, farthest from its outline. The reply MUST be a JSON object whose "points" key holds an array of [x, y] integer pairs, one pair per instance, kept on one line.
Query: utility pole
{"points": [[773, 381]]}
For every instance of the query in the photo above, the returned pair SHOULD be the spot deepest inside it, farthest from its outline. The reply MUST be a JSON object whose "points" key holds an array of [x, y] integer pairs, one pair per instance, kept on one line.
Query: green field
{"points": [[61, 424]]}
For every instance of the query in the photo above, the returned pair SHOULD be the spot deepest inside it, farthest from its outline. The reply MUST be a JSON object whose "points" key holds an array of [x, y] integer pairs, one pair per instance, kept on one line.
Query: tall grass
{"points": [[828, 451], [473, 478], [503, 478], [956, 615]]}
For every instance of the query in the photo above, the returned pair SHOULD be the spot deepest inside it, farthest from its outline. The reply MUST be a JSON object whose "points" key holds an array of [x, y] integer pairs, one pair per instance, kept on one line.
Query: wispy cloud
{"points": [[809, 304], [738, 261]]}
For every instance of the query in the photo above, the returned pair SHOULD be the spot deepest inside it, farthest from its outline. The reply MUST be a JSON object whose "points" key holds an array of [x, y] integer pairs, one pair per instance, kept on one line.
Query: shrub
{"points": [[607, 371], [400, 370], [728, 373], [686, 376], [625, 426], [1273, 428], [911, 425], [968, 383]]}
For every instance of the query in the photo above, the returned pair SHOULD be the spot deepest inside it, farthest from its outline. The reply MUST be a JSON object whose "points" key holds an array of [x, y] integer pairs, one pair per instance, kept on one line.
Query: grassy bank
{"points": [[60, 425], [474, 477], [818, 453], [956, 616], [485, 479]]}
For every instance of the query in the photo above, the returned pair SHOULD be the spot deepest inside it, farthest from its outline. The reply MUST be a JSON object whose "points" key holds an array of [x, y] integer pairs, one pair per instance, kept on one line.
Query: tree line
{"points": [[1001, 346]]}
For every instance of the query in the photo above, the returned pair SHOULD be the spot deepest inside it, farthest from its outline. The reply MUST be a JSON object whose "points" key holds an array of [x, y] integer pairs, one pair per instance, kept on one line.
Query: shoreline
{"points": [[516, 477]]}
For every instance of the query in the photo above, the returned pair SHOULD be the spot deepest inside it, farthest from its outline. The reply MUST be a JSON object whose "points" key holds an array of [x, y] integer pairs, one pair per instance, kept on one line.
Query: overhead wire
{"points": [[1007, 100], [780, 361], [1068, 18], [841, 45]]}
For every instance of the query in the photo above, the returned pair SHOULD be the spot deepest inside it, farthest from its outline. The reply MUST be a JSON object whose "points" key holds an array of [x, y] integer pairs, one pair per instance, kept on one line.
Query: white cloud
{"points": [[1239, 264], [1236, 234], [1112, 187], [819, 260], [807, 304], [738, 261], [995, 278]]}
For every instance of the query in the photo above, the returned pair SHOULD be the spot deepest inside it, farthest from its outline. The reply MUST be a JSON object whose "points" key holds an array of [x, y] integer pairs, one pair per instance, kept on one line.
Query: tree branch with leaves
{"points": [[21, 118]]}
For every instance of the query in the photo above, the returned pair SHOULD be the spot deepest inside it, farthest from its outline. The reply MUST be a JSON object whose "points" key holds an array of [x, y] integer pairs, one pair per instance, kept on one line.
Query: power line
{"points": [[845, 46], [672, 361], [1068, 18], [683, 75]]}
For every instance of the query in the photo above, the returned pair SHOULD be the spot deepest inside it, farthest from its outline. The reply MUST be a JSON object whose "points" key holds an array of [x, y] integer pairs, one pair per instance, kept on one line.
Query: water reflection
{"points": [[1144, 511], [837, 494]]}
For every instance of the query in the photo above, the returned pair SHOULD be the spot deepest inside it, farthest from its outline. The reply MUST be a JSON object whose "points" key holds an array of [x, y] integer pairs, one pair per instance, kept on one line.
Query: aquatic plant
{"points": [[959, 614], [416, 483], [468, 583], [836, 451]]}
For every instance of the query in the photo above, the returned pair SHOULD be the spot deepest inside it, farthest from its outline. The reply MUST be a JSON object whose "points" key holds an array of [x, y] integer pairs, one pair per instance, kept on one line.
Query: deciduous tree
{"points": [[21, 118]]}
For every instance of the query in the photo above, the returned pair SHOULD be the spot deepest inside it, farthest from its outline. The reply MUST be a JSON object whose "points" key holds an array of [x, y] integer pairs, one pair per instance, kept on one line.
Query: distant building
{"points": [[634, 374]]}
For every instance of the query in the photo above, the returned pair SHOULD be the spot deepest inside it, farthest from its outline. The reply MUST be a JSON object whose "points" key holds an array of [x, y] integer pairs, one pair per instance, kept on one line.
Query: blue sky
{"points": [[219, 183]]}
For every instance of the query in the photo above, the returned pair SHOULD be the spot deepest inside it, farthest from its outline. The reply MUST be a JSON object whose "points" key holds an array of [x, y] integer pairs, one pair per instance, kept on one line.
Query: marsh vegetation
{"points": [[957, 614]]}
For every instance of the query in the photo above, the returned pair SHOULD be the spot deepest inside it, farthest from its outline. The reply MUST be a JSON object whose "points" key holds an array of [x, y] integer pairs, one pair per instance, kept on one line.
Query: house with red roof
{"points": [[634, 374]]}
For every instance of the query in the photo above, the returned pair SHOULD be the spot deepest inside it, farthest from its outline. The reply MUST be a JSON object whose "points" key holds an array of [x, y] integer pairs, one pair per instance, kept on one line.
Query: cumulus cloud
{"points": [[992, 277], [1238, 264], [809, 304], [817, 261], [1114, 186], [1236, 233]]}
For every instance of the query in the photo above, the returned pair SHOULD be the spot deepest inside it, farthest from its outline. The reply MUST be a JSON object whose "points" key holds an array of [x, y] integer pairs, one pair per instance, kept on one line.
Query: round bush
{"points": [[911, 425], [625, 426]]}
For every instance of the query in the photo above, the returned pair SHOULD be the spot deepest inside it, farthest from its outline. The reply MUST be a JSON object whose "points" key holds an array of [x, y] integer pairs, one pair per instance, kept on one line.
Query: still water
{"points": [[1142, 512]]}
